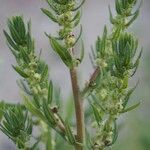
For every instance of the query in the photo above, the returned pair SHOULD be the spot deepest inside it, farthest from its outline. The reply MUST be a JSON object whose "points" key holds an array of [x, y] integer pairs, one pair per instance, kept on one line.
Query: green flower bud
{"points": [[34, 90], [103, 93], [125, 82], [39, 89], [108, 140], [70, 40], [30, 72], [37, 77], [101, 63], [119, 106], [76, 62], [65, 19], [33, 65], [71, 6], [64, 32]]}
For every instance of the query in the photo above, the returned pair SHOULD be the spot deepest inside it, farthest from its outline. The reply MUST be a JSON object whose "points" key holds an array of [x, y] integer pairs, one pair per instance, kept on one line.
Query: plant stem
{"points": [[78, 109], [91, 81]]}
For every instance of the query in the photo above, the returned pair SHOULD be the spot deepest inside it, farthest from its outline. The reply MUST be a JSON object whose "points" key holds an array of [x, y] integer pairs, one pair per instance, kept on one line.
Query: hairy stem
{"points": [[78, 109]]}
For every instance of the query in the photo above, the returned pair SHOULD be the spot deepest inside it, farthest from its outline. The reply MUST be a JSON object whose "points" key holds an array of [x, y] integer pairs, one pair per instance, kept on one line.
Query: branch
{"points": [[91, 81]]}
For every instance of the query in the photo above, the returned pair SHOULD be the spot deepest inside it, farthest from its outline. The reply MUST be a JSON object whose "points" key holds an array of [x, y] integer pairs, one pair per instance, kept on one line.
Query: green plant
{"points": [[115, 61]]}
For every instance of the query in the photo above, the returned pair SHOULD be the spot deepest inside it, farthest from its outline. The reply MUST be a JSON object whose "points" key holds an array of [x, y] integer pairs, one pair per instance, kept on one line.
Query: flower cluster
{"points": [[115, 56], [67, 15]]}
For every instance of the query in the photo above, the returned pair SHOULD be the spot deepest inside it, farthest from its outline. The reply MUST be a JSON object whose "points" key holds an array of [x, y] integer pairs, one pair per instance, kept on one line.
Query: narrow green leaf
{"points": [[62, 52], [132, 19], [136, 64], [117, 32], [23, 87], [14, 33], [30, 42], [79, 6], [62, 2], [49, 115], [51, 4], [82, 52], [5, 131], [77, 15], [10, 41], [49, 14], [77, 20], [96, 114], [30, 106], [50, 92], [115, 133], [131, 108], [14, 52], [37, 100], [44, 73], [24, 54], [94, 98], [57, 96], [102, 44], [98, 45], [19, 71], [127, 97], [21, 27], [78, 36], [69, 134], [112, 20], [140, 4]]}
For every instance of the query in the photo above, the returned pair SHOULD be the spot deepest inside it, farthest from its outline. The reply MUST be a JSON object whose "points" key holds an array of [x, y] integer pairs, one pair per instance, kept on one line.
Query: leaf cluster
{"points": [[124, 50], [17, 125], [19, 41]]}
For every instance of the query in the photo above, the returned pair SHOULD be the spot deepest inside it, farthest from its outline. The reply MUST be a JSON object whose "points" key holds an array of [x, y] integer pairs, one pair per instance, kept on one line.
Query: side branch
{"points": [[91, 81]]}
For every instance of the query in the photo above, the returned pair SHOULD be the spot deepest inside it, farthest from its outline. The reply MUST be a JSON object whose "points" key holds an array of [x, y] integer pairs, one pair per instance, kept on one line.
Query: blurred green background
{"points": [[134, 126]]}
